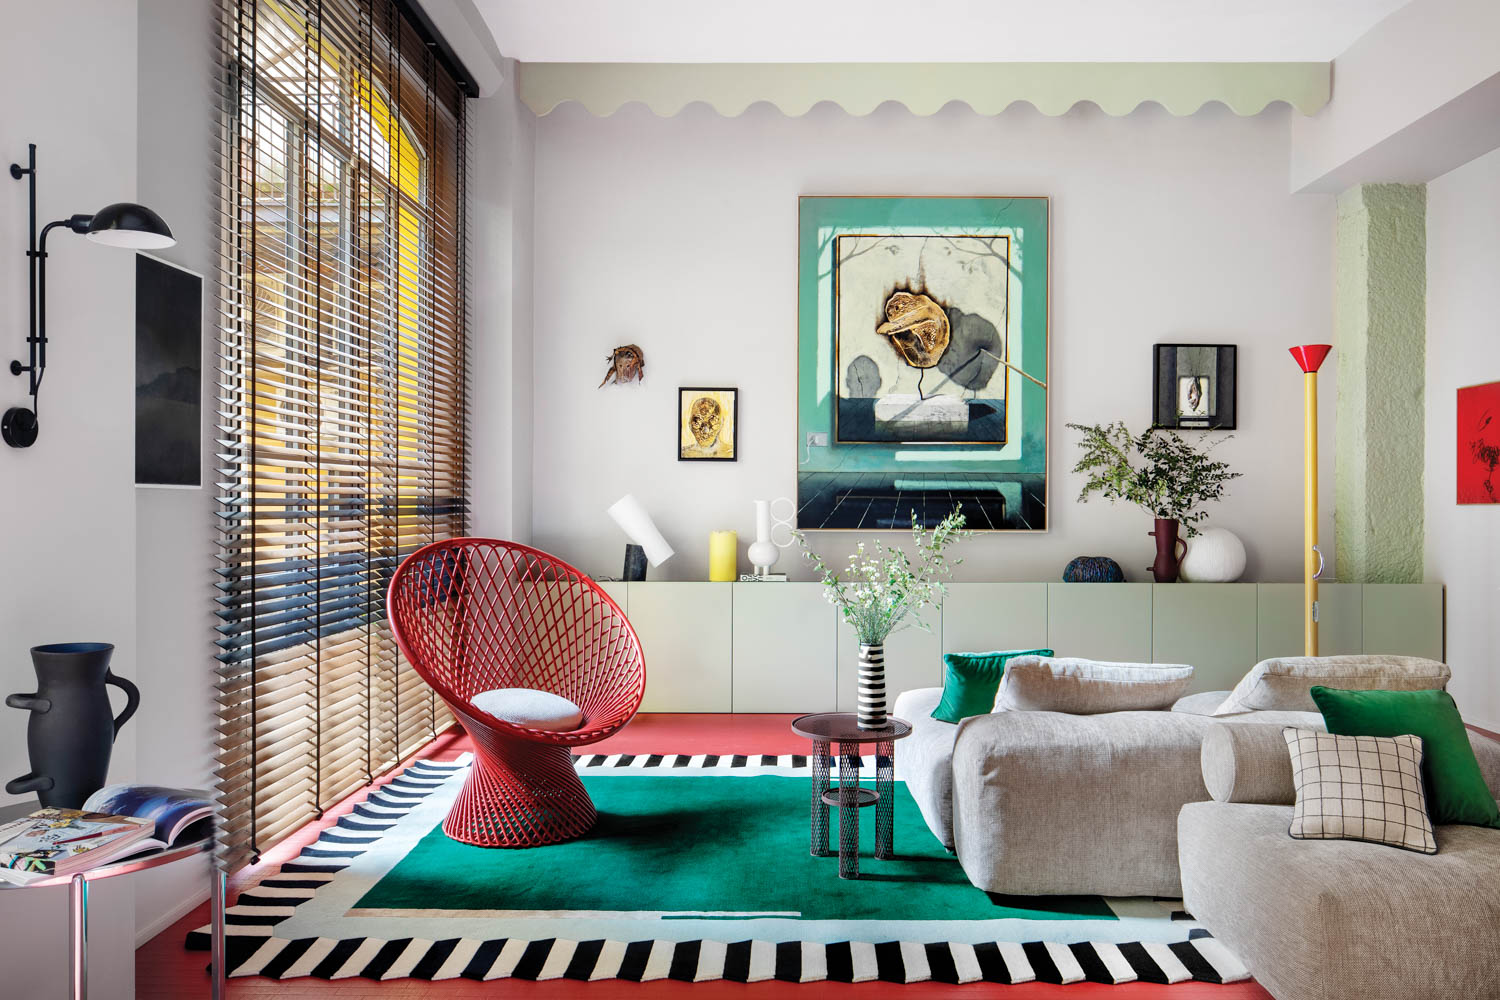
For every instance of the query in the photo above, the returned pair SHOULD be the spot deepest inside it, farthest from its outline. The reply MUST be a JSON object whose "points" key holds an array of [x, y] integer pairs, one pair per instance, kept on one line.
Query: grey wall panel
{"points": [[1278, 623], [1208, 625], [1100, 621], [979, 617], [1404, 618], [685, 631], [785, 648], [619, 592]]}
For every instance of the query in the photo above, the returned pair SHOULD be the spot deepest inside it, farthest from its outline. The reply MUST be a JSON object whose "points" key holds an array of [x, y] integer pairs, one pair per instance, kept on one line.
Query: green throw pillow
{"points": [[1456, 792], [970, 681]]}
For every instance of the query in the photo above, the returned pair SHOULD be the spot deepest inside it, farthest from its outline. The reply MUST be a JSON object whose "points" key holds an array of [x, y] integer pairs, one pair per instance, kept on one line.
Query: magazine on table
{"points": [[115, 822]]}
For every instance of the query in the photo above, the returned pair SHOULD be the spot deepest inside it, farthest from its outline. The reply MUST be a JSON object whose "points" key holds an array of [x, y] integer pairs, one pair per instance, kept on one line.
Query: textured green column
{"points": [[1380, 341]]}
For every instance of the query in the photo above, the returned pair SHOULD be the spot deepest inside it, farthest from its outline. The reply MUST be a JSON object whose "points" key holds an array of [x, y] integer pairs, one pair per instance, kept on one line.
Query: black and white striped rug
{"points": [[283, 927]]}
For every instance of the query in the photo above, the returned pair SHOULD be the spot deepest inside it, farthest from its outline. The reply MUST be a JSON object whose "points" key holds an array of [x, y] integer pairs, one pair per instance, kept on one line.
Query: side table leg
{"points": [[78, 936], [216, 925], [849, 810], [819, 764], [885, 806]]}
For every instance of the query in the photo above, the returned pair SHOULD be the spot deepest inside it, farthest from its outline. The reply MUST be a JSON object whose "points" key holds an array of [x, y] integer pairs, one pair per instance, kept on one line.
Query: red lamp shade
{"points": [[1310, 356]]}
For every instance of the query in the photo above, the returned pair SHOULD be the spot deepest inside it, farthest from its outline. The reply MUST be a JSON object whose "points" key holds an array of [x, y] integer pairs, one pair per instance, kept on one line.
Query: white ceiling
{"points": [[929, 30]]}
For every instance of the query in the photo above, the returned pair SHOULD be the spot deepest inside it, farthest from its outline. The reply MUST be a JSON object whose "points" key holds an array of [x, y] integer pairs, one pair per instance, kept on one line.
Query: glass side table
{"points": [[842, 728], [78, 901]]}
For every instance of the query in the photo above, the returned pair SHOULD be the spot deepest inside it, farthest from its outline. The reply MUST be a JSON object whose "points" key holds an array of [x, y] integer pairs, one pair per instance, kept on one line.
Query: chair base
{"points": [[519, 794]]}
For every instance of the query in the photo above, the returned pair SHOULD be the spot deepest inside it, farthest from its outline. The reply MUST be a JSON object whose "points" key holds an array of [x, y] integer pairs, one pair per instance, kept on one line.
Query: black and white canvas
{"points": [[1194, 387], [168, 374]]}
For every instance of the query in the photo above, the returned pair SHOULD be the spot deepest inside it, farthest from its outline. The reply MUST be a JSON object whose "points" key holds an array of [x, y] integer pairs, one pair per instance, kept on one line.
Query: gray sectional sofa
{"points": [[1044, 803], [1186, 803], [1336, 919]]}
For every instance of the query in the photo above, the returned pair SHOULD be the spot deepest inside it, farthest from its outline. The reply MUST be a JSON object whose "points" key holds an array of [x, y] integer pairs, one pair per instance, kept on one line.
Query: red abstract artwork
{"points": [[1479, 443]]}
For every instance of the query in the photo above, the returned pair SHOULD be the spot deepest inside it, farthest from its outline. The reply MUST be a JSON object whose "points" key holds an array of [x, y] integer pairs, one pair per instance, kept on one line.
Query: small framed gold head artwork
{"points": [[707, 424]]}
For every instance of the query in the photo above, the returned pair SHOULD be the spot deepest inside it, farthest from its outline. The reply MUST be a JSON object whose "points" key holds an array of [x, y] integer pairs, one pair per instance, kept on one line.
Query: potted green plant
{"points": [[883, 590], [1156, 470]]}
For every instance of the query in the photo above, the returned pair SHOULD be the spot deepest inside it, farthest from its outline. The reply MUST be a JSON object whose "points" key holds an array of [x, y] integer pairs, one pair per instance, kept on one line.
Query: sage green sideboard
{"points": [[770, 647]]}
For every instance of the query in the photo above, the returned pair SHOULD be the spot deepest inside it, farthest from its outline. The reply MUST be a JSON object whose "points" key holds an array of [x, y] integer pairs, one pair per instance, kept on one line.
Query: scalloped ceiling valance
{"points": [[988, 88]]}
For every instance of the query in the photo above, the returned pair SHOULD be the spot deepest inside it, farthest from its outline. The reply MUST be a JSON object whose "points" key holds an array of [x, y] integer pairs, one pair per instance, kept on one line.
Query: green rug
{"points": [[697, 871], [680, 844]]}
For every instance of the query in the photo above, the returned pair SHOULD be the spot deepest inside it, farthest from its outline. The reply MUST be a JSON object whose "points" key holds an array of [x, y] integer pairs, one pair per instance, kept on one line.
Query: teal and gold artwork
{"points": [[922, 362]]}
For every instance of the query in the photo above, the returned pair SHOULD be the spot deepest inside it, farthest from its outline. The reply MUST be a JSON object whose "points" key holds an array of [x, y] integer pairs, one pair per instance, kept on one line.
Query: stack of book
{"points": [[116, 822]]}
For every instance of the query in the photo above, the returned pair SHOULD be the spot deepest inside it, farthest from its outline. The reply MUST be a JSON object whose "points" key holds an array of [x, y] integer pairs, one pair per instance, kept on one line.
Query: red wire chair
{"points": [[474, 614]]}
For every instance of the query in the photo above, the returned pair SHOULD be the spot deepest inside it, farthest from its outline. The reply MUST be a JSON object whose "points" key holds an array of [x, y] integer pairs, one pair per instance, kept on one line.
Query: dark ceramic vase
{"points": [[1168, 559], [72, 729]]}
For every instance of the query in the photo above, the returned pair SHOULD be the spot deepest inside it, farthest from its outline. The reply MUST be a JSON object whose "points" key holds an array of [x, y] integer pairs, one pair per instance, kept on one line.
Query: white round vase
{"points": [[1214, 555]]}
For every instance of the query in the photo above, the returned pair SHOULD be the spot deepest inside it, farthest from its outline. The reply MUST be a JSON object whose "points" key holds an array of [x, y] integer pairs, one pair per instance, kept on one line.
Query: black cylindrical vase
{"points": [[72, 729]]}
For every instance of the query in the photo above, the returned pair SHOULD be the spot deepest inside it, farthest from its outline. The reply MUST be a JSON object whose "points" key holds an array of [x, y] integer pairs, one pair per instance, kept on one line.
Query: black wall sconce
{"points": [[123, 224]]}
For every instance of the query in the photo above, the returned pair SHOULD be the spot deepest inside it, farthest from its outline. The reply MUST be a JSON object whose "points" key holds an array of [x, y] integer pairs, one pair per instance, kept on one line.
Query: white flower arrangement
{"points": [[881, 591]]}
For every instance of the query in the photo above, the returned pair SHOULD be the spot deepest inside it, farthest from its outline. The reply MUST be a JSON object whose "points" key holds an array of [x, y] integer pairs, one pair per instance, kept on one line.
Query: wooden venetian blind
{"points": [[342, 394]]}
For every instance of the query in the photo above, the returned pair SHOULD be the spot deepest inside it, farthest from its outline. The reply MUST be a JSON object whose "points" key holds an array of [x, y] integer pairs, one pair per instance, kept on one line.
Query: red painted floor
{"points": [[164, 970]]}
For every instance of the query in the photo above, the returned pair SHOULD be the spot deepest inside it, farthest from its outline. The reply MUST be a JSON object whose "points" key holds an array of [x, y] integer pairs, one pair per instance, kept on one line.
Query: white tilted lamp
{"points": [[647, 543]]}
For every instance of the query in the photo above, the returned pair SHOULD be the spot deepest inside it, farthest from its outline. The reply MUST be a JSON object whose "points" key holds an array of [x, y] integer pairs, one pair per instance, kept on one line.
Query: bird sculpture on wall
{"points": [[627, 363]]}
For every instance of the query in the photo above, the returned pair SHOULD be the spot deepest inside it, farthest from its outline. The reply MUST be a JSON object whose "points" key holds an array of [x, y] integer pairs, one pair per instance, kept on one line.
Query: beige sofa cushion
{"points": [[1365, 788], [1282, 683], [1089, 687]]}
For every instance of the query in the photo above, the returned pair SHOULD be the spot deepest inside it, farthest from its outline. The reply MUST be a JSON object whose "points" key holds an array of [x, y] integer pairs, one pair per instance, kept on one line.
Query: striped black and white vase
{"points": [[872, 686]]}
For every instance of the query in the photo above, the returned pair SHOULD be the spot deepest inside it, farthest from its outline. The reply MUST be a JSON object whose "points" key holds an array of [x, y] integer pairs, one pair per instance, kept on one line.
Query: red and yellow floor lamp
{"points": [[1310, 357]]}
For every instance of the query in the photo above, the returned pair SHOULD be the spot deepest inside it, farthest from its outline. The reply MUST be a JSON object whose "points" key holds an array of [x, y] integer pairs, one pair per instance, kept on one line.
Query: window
{"points": [[342, 395]]}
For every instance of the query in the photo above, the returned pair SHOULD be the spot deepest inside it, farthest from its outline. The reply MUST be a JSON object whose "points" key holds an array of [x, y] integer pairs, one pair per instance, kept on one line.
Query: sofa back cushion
{"points": [[1089, 687], [1283, 683]]}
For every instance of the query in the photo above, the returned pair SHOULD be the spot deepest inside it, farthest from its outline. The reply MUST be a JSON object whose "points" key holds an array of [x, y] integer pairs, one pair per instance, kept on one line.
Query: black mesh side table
{"points": [[825, 729]]}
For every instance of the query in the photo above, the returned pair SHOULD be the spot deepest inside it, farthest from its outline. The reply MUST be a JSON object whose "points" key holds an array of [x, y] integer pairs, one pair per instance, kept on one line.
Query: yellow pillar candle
{"points": [[723, 556]]}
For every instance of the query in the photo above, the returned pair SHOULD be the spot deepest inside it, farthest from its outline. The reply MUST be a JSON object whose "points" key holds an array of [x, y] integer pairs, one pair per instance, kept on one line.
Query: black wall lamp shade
{"points": [[123, 224], [126, 224]]}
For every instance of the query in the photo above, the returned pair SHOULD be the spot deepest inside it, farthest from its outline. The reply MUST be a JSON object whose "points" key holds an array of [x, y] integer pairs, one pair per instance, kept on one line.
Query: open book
{"points": [[180, 815], [115, 822]]}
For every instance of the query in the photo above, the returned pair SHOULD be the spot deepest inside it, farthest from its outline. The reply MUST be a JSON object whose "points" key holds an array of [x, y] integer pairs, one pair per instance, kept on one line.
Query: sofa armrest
{"points": [[1101, 792], [1246, 762]]}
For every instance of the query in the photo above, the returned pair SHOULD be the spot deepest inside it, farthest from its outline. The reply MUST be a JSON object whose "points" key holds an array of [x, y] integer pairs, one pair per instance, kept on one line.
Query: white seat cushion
{"points": [[530, 708]]}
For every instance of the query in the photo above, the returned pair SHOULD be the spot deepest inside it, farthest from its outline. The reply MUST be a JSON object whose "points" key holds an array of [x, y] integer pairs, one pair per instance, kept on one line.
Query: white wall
{"points": [[1413, 98], [68, 504], [679, 234], [174, 528], [501, 188], [1463, 348]]}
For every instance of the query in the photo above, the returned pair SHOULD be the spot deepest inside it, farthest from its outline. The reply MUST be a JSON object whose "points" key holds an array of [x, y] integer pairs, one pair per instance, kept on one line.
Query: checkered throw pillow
{"points": [[1359, 788]]}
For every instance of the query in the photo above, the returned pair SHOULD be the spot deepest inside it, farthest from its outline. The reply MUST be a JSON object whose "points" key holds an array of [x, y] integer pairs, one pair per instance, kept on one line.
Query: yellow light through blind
{"points": [[342, 398]]}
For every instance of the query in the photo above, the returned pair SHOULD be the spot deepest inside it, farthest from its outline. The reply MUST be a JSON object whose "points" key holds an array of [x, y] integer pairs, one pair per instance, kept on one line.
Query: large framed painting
{"points": [[1479, 443], [922, 362], [168, 374]]}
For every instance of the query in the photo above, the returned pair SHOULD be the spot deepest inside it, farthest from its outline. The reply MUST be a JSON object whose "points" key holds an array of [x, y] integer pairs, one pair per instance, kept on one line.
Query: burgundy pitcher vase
{"points": [[1164, 570]]}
